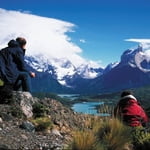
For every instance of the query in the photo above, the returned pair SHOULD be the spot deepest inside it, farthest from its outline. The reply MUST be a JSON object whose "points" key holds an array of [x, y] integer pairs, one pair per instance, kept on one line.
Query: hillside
{"points": [[142, 94], [27, 122]]}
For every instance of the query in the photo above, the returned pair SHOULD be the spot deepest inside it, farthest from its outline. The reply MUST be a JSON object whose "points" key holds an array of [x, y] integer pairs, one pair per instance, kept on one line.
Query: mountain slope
{"points": [[131, 71], [61, 76]]}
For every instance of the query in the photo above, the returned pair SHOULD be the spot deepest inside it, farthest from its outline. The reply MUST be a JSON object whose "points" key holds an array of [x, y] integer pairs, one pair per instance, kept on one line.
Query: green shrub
{"points": [[16, 111], [39, 110], [42, 123], [140, 138]]}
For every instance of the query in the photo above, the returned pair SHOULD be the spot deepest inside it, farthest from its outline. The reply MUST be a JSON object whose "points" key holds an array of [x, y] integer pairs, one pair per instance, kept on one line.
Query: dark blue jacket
{"points": [[11, 62]]}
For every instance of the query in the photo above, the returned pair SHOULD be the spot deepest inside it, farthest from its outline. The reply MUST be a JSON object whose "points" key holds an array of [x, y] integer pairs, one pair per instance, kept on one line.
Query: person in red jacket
{"points": [[130, 111]]}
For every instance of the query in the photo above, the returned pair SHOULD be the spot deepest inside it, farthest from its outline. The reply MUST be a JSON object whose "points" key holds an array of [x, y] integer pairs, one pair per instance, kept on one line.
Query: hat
{"points": [[125, 93]]}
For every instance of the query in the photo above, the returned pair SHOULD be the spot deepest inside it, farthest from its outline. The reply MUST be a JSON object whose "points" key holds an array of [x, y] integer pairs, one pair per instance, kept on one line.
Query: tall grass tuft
{"points": [[93, 123], [108, 134], [113, 135], [84, 140], [106, 109]]}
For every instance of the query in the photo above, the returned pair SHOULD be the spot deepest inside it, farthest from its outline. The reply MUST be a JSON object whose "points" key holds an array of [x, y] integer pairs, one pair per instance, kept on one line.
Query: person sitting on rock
{"points": [[130, 111], [13, 69]]}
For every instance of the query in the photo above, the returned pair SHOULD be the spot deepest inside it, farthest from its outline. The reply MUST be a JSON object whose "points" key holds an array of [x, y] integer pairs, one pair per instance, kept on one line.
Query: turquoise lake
{"points": [[84, 107]]}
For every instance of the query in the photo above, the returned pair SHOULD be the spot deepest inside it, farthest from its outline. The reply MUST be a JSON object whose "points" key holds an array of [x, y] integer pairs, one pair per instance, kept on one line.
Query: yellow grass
{"points": [[42, 123], [84, 140], [114, 135]]}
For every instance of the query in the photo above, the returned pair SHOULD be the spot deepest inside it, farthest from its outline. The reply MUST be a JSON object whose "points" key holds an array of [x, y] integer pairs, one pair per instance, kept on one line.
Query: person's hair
{"points": [[21, 41], [125, 93]]}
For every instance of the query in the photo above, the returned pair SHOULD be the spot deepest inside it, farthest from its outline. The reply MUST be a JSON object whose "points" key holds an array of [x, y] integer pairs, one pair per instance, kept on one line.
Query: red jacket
{"points": [[131, 112]]}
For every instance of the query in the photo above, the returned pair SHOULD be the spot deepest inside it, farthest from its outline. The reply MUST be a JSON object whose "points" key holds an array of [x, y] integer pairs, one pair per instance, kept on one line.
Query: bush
{"points": [[140, 139], [113, 135], [39, 110], [84, 140], [42, 123], [16, 111]]}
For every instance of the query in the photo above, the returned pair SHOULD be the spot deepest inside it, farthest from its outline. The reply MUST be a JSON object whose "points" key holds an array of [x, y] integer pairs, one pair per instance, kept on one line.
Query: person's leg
{"points": [[18, 85], [23, 81]]}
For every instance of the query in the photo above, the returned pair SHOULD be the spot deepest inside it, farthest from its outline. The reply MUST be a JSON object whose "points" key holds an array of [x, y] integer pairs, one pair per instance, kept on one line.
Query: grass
{"points": [[141, 138], [102, 133], [113, 135], [106, 109], [42, 123], [84, 140], [107, 134]]}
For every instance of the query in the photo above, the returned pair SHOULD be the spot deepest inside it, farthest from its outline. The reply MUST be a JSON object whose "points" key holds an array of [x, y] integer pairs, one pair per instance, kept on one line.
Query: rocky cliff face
{"points": [[131, 72], [27, 122]]}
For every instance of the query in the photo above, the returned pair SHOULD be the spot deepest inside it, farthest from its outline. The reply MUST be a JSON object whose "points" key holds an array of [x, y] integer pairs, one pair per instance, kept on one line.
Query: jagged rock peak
{"points": [[129, 55]]}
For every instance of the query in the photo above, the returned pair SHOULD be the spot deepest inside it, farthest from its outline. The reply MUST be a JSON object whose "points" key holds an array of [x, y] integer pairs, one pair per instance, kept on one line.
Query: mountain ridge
{"points": [[133, 70]]}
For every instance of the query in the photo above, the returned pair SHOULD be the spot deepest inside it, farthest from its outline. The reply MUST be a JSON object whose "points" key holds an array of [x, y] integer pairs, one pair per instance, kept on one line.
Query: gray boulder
{"points": [[28, 126], [25, 100], [22, 100]]}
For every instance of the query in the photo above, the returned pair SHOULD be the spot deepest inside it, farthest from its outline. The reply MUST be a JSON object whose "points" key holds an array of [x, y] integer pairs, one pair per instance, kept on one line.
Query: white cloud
{"points": [[44, 35], [82, 41], [94, 64], [138, 40], [145, 43]]}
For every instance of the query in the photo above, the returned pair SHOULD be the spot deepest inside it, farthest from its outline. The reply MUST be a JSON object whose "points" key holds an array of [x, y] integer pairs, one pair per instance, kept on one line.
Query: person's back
{"points": [[130, 111], [13, 69], [9, 69]]}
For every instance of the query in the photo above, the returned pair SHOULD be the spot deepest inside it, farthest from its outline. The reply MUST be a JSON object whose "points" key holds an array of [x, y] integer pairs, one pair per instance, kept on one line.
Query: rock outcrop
{"points": [[19, 128], [24, 100]]}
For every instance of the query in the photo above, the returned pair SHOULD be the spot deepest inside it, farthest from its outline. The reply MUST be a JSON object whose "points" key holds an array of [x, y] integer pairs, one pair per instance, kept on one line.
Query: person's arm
{"points": [[22, 64], [19, 60]]}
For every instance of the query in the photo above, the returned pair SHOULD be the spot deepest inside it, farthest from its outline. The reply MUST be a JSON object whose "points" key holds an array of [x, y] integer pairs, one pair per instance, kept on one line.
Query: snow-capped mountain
{"points": [[133, 70], [110, 67], [62, 69], [86, 71], [137, 58]]}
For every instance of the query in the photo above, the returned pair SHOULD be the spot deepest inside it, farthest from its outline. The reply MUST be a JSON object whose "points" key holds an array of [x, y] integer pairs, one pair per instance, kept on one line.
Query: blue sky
{"points": [[101, 26]]}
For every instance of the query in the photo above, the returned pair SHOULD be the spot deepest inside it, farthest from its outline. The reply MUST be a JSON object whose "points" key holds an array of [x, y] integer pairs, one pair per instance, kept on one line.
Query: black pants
{"points": [[23, 81]]}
